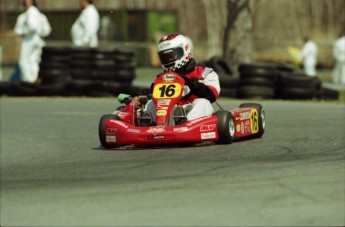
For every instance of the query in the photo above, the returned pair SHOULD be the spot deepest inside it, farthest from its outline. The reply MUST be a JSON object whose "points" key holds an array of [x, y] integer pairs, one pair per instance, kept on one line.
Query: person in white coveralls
{"points": [[32, 26], [85, 28], [308, 55], [339, 56]]}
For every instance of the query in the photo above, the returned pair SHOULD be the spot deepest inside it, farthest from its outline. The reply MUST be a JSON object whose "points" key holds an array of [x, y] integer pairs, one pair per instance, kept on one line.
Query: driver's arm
{"points": [[207, 88]]}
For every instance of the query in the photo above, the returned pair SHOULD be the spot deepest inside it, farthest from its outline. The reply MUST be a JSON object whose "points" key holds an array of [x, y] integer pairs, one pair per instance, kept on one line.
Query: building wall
{"points": [[192, 18]]}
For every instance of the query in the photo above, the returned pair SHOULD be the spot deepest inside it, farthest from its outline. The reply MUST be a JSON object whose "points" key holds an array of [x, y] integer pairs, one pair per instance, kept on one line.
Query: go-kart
{"points": [[123, 127]]}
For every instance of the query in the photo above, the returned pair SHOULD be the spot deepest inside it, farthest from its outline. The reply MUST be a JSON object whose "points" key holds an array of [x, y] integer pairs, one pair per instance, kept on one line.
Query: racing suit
{"points": [[339, 56], [309, 55], [85, 28], [32, 26], [200, 91]]}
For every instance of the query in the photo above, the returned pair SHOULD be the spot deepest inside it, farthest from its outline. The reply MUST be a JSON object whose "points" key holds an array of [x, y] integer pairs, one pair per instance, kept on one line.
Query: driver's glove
{"points": [[200, 89]]}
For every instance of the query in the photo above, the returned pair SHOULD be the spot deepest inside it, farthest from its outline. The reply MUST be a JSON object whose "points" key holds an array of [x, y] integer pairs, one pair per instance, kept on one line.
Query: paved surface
{"points": [[53, 172]]}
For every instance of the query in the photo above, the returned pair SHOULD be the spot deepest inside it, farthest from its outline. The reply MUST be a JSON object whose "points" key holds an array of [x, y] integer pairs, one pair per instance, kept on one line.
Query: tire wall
{"points": [[73, 71], [268, 81]]}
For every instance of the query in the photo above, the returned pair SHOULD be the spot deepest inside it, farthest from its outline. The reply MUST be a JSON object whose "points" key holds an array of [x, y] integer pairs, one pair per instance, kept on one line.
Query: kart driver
{"points": [[202, 83]]}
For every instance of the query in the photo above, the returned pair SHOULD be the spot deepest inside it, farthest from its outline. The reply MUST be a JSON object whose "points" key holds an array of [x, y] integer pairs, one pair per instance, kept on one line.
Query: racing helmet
{"points": [[174, 51]]}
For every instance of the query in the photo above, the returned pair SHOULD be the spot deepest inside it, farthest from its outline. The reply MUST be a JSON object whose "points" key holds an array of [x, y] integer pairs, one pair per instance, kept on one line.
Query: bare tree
{"points": [[238, 32]]}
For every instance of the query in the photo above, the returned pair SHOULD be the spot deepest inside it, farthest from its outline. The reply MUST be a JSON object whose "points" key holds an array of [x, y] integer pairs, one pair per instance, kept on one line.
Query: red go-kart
{"points": [[123, 127]]}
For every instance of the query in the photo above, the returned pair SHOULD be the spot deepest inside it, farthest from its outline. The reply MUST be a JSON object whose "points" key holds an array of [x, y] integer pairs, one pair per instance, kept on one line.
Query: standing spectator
{"points": [[309, 57], [339, 56], [32, 25], [84, 30]]}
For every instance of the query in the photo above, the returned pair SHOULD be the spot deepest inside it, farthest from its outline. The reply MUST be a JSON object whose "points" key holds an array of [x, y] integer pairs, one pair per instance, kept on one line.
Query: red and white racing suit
{"points": [[196, 105]]}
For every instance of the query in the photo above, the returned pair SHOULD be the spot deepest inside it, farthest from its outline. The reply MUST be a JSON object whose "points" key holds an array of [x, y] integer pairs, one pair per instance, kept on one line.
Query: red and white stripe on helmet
{"points": [[174, 51]]}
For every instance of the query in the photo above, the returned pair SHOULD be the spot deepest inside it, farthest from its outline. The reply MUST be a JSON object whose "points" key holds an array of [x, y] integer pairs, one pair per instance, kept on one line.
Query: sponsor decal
{"points": [[156, 130], [162, 107], [111, 130], [206, 72], [208, 135], [110, 139], [247, 126], [161, 113], [198, 120], [169, 77], [119, 123], [237, 118], [238, 128], [242, 127], [164, 44], [156, 137], [206, 128], [163, 102], [244, 116], [182, 129], [133, 130]]}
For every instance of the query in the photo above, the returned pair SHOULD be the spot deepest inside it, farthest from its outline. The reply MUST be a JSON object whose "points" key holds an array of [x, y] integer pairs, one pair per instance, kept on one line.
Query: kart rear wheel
{"points": [[226, 127], [262, 121], [101, 129]]}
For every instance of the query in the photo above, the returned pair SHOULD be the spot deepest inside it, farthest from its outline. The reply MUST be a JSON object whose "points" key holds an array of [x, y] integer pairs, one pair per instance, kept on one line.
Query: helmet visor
{"points": [[171, 55]]}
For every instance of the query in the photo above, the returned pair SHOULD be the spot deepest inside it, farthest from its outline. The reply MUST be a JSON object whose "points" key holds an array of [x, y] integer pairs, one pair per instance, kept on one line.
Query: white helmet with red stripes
{"points": [[174, 51]]}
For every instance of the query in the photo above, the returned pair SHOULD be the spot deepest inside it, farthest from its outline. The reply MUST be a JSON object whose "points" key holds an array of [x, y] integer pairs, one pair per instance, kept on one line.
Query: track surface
{"points": [[53, 172]]}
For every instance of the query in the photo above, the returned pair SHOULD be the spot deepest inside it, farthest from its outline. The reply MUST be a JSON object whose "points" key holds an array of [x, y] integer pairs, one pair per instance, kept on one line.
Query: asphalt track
{"points": [[53, 172]]}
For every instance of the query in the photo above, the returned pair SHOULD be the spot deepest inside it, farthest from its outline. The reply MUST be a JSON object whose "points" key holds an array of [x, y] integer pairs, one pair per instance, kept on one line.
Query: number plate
{"points": [[163, 90], [254, 121]]}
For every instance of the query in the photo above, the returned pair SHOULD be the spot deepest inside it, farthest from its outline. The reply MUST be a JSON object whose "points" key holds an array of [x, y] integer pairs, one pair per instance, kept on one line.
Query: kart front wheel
{"points": [[102, 129], [226, 127]]}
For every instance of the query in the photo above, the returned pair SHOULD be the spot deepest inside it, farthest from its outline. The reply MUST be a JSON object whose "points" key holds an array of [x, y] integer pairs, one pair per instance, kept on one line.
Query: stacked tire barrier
{"points": [[71, 71], [54, 70], [268, 81], [280, 81], [257, 81], [228, 81]]}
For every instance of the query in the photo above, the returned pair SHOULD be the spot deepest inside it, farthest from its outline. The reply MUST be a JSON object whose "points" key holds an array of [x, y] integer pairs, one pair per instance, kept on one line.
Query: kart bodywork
{"points": [[122, 127]]}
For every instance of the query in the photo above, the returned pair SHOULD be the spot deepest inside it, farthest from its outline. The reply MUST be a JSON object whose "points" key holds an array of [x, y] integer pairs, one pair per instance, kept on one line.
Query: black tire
{"points": [[219, 65], [56, 50], [126, 64], [52, 64], [261, 92], [77, 87], [327, 94], [285, 67], [21, 88], [56, 89], [80, 73], [82, 53], [272, 75], [228, 92], [104, 53], [226, 127], [123, 55], [101, 129], [296, 80], [105, 64], [256, 68], [297, 93], [5, 88], [261, 117], [52, 76], [228, 81], [260, 80]]}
